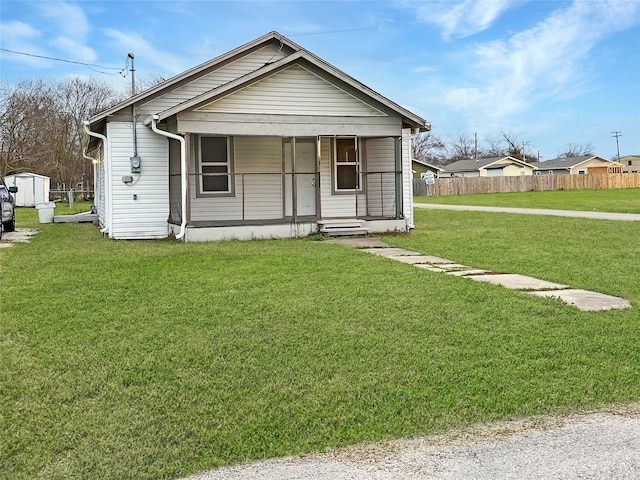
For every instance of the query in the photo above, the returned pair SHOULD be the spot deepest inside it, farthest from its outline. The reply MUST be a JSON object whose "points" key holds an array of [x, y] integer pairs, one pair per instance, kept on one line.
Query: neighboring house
{"points": [[265, 141], [33, 189], [570, 165], [420, 167], [488, 167], [630, 164]]}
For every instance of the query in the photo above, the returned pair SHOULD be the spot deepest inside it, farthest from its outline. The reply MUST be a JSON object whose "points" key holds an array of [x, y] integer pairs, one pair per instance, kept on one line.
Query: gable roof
{"points": [[422, 162], [473, 165], [293, 54], [567, 163]]}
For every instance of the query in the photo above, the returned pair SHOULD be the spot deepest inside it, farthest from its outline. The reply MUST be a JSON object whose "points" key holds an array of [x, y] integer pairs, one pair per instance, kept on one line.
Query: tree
{"points": [[462, 147], [576, 150], [41, 127], [428, 148]]}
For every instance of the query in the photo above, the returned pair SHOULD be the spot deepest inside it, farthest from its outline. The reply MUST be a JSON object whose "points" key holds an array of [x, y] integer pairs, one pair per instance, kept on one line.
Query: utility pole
{"points": [[475, 148], [617, 134]]}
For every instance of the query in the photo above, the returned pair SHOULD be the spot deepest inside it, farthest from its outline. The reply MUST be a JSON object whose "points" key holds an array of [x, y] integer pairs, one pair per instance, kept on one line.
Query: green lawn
{"points": [[158, 359], [614, 200]]}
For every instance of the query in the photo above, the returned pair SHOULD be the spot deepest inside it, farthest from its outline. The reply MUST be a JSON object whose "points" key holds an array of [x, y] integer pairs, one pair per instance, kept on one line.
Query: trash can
{"points": [[45, 211]]}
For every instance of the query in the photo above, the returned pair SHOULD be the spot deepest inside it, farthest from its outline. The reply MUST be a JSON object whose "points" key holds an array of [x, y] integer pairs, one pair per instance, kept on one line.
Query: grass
{"points": [[613, 200], [158, 359]]}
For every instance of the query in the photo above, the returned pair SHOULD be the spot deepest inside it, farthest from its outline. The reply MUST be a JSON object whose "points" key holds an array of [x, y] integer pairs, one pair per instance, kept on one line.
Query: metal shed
{"points": [[32, 188]]}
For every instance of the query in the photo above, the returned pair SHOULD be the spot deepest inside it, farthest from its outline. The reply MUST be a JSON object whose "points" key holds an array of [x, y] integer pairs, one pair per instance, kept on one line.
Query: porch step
{"points": [[342, 228]]}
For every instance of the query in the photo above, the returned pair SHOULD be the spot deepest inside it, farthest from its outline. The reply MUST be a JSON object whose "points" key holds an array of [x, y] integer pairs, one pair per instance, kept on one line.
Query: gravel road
{"points": [[595, 445]]}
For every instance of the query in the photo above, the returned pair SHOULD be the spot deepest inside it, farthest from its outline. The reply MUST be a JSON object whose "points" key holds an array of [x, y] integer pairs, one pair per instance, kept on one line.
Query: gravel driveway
{"points": [[596, 445]]}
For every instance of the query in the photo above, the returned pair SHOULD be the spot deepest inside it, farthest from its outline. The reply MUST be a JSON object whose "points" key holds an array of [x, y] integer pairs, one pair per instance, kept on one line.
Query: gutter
{"points": [[107, 175], [153, 120]]}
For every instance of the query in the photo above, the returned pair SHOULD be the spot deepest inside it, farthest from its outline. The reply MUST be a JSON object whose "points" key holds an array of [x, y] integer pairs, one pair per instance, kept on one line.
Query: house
{"points": [[33, 189], [265, 141], [420, 167], [569, 165], [488, 167], [630, 164]]}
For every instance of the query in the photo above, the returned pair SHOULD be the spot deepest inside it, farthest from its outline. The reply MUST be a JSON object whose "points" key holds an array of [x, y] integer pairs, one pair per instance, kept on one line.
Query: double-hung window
{"points": [[215, 165], [347, 175]]}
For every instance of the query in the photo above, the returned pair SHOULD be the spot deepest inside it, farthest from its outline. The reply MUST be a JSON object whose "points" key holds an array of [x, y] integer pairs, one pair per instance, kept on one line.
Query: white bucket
{"points": [[45, 212]]}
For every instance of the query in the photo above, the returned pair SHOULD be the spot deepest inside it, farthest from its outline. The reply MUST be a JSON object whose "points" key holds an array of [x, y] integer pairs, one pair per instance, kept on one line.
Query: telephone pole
{"points": [[617, 134]]}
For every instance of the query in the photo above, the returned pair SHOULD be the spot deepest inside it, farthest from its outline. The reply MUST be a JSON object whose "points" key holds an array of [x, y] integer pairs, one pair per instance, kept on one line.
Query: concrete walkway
{"points": [[582, 299], [21, 235], [537, 211]]}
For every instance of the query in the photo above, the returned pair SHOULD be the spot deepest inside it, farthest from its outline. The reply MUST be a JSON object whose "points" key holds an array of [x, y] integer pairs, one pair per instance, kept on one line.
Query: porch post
{"points": [[398, 175]]}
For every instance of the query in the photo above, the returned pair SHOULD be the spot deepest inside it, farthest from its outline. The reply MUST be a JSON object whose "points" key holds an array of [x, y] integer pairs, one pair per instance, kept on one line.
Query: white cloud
{"points": [[549, 60], [461, 19], [145, 52], [21, 37], [71, 29], [69, 19]]}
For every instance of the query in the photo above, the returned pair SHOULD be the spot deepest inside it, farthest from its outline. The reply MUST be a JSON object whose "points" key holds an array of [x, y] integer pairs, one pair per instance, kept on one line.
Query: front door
{"points": [[302, 174]]}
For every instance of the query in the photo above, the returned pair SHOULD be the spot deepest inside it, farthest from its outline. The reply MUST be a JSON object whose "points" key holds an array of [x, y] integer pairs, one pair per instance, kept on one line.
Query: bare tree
{"points": [[41, 129], [576, 150], [462, 147], [428, 148]]}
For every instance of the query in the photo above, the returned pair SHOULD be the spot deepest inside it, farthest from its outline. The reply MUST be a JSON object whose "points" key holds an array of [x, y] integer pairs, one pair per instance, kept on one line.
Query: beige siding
{"points": [[380, 162], [260, 160], [286, 125], [146, 216], [219, 77], [292, 91], [336, 205]]}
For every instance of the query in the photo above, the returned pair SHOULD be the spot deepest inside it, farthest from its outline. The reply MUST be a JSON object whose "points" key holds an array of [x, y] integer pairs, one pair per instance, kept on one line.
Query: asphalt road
{"points": [[596, 445], [537, 211]]}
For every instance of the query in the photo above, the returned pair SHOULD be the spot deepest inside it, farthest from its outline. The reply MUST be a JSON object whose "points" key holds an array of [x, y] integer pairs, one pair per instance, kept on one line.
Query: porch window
{"points": [[347, 176], [215, 165]]}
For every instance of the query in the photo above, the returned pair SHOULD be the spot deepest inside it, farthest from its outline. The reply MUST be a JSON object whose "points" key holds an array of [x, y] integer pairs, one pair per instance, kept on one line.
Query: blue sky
{"points": [[551, 73]]}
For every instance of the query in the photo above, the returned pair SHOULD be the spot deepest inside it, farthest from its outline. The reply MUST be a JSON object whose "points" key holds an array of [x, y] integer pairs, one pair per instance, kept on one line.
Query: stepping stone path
{"points": [[582, 299], [21, 235]]}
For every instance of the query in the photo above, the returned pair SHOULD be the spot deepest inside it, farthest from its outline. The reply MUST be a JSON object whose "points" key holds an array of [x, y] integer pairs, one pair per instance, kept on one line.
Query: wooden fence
{"points": [[528, 183]]}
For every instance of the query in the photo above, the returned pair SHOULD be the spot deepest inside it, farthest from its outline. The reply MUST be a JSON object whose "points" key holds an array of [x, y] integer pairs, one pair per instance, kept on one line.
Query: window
{"points": [[582, 172], [347, 176], [215, 165]]}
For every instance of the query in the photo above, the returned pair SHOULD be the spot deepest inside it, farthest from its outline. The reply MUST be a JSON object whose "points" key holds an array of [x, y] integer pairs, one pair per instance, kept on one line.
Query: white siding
{"points": [[100, 193], [212, 80], [260, 159], [407, 183], [381, 183], [146, 216], [292, 91]]}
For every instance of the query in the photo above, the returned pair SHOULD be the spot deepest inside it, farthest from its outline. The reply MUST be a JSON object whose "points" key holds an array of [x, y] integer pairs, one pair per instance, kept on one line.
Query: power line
{"points": [[92, 66]]}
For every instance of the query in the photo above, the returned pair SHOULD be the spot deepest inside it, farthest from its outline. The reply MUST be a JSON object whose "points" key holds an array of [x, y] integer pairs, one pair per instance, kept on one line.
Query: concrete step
{"points": [[342, 227]]}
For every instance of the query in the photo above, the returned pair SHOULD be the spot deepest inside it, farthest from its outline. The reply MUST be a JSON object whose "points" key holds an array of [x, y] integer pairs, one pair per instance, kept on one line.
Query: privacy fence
{"points": [[466, 186]]}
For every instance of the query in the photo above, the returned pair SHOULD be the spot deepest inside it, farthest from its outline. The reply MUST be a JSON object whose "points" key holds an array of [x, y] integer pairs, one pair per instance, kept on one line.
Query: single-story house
{"points": [[630, 164], [420, 167], [488, 167], [265, 141], [33, 188], [569, 165]]}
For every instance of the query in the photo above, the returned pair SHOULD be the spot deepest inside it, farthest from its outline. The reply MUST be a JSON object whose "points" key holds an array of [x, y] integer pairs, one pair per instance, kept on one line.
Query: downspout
{"points": [[107, 182], [94, 162], [416, 132], [183, 169]]}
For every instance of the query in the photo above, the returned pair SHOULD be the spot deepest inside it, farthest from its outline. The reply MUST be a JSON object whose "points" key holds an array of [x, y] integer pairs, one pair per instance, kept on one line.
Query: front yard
{"points": [[158, 359]]}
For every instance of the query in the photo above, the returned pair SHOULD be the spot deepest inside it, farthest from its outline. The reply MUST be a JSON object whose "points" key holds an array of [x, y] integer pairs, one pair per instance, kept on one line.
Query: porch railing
{"points": [[377, 198]]}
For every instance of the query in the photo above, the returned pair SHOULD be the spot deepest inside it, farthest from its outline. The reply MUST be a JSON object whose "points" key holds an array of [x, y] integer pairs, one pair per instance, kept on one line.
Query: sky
{"points": [[549, 73]]}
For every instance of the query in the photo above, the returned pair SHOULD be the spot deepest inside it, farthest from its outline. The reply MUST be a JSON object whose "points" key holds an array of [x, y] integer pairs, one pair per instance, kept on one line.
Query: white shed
{"points": [[32, 188]]}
